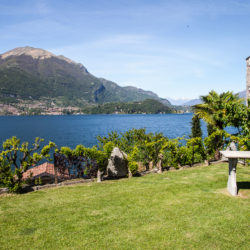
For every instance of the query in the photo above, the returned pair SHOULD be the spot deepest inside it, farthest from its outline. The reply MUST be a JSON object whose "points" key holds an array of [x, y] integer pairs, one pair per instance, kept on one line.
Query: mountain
{"points": [[178, 101], [192, 102], [35, 75], [242, 94]]}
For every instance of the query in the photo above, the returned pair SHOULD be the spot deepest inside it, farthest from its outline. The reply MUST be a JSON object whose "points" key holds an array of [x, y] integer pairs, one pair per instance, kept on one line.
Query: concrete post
{"points": [[231, 183]]}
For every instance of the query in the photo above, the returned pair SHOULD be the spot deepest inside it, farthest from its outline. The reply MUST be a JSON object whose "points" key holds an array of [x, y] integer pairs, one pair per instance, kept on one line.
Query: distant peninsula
{"points": [[148, 106]]}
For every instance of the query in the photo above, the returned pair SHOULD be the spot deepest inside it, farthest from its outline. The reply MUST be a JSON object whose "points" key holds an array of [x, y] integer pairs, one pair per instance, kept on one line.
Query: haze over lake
{"points": [[83, 129]]}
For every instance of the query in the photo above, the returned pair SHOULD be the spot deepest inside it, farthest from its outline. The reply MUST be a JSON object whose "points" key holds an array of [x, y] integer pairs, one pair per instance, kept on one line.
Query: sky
{"points": [[176, 48]]}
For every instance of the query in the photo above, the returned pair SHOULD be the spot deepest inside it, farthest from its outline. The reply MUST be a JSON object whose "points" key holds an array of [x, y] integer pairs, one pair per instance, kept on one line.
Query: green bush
{"points": [[108, 148], [184, 155], [170, 153], [6, 176], [198, 150], [216, 142], [133, 167]]}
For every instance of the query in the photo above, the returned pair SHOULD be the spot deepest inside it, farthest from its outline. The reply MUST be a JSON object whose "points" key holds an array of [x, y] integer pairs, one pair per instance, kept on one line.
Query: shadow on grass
{"points": [[243, 185]]}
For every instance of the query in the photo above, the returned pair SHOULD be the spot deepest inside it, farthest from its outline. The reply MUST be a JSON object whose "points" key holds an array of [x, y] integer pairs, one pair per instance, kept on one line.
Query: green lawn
{"points": [[188, 209]]}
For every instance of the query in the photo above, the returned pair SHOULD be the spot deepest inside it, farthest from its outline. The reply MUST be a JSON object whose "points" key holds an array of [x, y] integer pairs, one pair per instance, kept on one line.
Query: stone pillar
{"points": [[248, 80], [231, 183], [99, 175]]}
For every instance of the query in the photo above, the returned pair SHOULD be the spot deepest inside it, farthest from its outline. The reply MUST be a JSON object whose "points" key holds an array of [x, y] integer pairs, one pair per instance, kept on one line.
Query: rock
{"points": [[4, 190], [172, 168], [117, 164]]}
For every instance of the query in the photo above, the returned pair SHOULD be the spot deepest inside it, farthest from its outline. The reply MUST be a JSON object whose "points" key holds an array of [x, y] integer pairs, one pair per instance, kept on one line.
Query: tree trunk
{"points": [[159, 164], [129, 174], [55, 169], [207, 163], [217, 155]]}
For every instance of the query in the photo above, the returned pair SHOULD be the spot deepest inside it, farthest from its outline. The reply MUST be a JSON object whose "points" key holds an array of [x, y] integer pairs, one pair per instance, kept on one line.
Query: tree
{"points": [[213, 110], [239, 117], [196, 127], [210, 129], [5, 173], [215, 142], [17, 158]]}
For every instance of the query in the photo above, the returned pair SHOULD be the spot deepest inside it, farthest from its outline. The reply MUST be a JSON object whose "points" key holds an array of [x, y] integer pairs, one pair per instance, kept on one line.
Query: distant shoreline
{"points": [[94, 114]]}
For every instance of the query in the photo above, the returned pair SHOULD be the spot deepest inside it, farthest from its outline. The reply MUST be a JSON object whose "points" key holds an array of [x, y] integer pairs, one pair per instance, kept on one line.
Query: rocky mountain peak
{"points": [[35, 53]]}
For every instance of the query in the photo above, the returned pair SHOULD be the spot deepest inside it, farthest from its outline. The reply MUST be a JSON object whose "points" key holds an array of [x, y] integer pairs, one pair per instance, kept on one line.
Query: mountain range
{"points": [[192, 102], [34, 80], [33, 74]]}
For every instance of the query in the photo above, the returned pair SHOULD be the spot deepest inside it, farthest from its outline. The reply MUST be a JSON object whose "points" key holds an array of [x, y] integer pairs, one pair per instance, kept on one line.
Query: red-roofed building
{"points": [[46, 172]]}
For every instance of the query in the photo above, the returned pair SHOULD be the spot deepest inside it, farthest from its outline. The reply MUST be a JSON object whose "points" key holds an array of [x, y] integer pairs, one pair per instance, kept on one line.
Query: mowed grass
{"points": [[188, 209]]}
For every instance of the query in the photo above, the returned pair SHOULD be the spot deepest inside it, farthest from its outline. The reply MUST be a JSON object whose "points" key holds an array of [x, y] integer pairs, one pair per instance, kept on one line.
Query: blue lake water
{"points": [[72, 130], [83, 129]]}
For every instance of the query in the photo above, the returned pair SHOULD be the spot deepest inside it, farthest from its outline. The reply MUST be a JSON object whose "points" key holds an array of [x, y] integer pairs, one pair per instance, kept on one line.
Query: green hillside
{"points": [[35, 74], [148, 106]]}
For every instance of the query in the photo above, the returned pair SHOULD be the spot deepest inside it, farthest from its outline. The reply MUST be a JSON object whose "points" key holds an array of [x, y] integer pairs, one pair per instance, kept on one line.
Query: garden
{"points": [[142, 151], [188, 209]]}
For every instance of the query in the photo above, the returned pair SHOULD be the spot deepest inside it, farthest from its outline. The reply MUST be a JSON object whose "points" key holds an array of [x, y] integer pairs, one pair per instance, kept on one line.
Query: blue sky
{"points": [[178, 48]]}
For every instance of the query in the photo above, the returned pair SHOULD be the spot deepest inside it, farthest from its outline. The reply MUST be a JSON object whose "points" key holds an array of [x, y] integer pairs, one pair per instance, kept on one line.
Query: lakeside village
{"points": [[50, 107]]}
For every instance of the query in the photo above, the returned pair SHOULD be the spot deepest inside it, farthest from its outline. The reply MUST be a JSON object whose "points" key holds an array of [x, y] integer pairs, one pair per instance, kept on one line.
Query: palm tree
{"points": [[213, 109]]}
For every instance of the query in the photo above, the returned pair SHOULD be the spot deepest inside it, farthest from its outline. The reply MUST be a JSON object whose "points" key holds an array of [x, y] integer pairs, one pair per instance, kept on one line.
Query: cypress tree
{"points": [[210, 129], [196, 127]]}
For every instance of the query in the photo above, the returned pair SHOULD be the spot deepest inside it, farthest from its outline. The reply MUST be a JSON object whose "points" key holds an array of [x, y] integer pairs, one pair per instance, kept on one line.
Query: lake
{"points": [[83, 129]]}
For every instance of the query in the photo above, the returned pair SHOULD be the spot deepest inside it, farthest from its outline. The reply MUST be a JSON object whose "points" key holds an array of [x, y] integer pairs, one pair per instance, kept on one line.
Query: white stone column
{"points": [[231, 183]]}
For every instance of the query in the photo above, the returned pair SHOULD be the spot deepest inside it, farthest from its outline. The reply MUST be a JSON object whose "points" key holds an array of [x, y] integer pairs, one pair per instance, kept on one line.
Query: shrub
{"points": [[215, 142], [6, 175], [184, 155], [133, 167], [170, 153], [108, 148], [197, 148]]}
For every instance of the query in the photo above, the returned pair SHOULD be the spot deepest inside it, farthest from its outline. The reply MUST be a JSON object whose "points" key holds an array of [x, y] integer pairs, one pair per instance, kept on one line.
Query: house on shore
{"points": [[46, 172]]}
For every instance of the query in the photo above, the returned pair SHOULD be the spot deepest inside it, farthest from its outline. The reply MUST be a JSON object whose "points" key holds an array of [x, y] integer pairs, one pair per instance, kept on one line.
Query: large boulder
{"points": [[117, 164]]}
